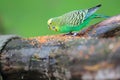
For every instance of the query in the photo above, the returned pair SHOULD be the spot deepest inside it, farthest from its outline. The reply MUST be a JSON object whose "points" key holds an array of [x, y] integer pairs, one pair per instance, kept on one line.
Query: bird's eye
{"points": [[53, 27]]}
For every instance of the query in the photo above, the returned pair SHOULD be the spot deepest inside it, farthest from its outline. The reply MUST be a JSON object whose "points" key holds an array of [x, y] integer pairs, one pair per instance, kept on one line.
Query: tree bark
{"points": [[94, 53]]}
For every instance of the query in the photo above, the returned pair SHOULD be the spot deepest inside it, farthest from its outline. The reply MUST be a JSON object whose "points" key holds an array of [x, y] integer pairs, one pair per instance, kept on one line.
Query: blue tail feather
{"points": [[101, 16], [92, 10]]}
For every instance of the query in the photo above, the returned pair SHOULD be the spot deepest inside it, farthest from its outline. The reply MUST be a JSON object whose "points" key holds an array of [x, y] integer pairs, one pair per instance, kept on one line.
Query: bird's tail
{"points": [[92, 10], [100, 16]]}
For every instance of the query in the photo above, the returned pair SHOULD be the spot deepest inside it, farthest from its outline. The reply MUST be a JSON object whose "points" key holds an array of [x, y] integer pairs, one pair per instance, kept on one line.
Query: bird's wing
{"points": [[73, 18]]}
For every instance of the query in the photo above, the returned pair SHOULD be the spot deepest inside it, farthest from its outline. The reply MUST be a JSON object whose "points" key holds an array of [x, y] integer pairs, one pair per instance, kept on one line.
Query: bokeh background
{"points": [[28, 18]]}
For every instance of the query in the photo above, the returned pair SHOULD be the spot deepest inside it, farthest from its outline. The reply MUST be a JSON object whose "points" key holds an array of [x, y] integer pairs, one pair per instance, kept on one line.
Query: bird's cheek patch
{"points": [[56, 29]]}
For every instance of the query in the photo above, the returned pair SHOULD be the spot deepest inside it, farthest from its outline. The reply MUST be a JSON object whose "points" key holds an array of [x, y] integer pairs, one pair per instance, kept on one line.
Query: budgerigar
{"points": [[74, 20]]}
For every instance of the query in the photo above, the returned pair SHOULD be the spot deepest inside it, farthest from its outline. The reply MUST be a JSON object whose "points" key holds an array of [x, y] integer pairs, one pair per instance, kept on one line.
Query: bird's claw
{"points": [[71, 34]]}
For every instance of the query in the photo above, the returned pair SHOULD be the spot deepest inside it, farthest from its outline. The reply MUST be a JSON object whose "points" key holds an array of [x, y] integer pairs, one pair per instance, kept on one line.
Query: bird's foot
{"points": [[71, 34], [75, 34]]}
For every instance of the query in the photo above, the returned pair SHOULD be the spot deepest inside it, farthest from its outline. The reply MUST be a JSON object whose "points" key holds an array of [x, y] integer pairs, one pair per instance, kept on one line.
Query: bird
{"points": [[74, 21]]}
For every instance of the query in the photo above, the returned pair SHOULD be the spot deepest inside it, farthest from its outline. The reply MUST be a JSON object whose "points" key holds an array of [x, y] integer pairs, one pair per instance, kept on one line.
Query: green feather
{"points": [[74, 20], [68, 28]]}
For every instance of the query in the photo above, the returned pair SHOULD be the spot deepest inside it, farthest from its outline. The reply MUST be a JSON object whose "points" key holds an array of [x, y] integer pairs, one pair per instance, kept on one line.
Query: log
{"points": [[94, 53]]}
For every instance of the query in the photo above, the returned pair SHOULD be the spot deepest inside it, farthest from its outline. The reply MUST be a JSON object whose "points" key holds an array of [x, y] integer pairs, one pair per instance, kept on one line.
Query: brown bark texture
{"points": [[93, 54]]}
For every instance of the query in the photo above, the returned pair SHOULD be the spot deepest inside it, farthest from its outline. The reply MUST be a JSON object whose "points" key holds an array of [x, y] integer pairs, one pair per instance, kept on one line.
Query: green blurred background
{"points": [[28, 18]]}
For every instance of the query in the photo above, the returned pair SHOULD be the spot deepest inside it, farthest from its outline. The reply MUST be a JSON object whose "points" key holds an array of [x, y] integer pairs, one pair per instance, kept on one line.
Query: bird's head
{"points": [[53, 24]]}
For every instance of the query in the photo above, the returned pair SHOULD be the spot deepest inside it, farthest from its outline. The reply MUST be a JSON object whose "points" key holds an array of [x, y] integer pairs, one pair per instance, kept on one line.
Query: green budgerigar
{"points": [[74, 20]]}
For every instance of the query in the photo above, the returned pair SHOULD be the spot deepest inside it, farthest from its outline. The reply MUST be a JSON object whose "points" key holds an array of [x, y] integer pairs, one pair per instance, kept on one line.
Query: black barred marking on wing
{"points": [[74, 18]]}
